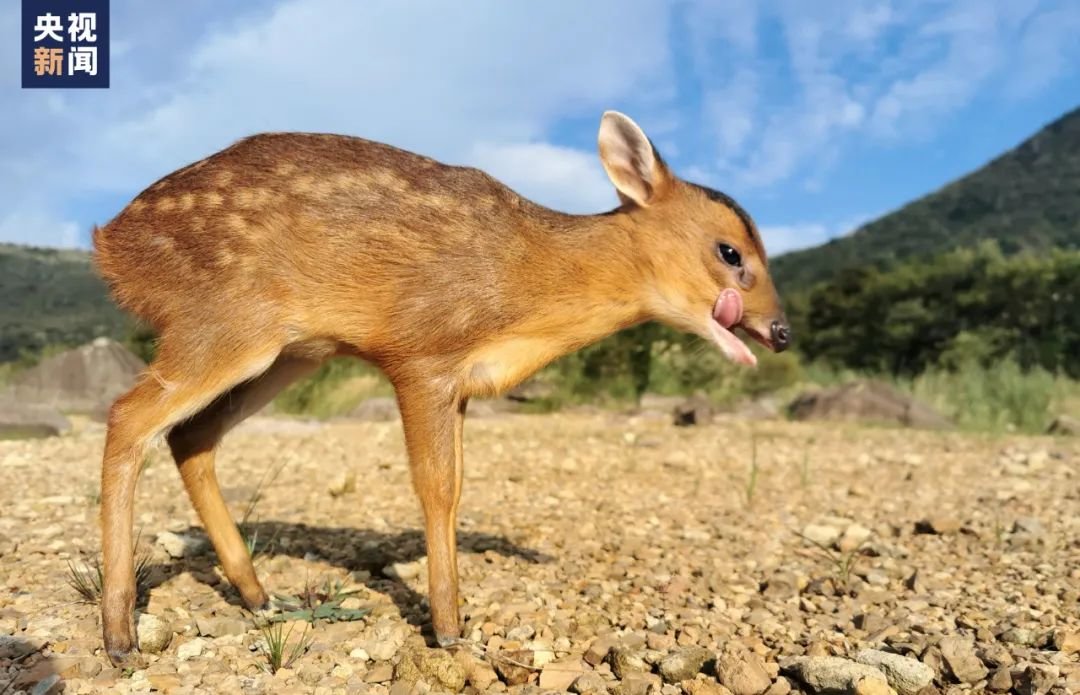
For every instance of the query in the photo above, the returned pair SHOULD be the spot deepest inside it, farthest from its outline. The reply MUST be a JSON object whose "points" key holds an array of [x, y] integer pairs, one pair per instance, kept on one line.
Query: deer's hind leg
{"points": [[171, 391], [193, 444]]}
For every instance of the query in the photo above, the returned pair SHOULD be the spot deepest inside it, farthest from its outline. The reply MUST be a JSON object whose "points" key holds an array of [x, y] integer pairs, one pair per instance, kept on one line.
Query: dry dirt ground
{"points": [[599, 552]]}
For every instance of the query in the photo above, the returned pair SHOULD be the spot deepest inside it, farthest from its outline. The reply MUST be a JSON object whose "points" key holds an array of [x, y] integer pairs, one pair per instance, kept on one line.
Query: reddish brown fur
{"points": [[261, 261]]}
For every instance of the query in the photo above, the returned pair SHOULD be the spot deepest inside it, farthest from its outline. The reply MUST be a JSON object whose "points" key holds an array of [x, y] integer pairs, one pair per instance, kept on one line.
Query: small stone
{"points": [[153, 633], [782, 686], [682, 664], [960, 657], [599, 649], [343, 483], [521, 633], [360, 654], [514, 667], [908, 676], [76, 667], [1035, 679], [660, 643], [179, 546], [625, 660], [541, 651], [403, 570], [637, 684], [853, 538], [220, 627], [701, 686], [559, 675], [742, 672], [821, 534], [1000, 680], [589, 684], [164, 682], [939, 525], [380, 673], [872, 686], [1066, 641], [190, 649], [1028, 525], [828, 674], [1021, 636]]}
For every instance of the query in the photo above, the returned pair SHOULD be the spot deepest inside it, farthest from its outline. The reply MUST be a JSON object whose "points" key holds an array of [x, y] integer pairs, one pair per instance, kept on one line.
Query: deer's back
{"points": [[296, 227]]}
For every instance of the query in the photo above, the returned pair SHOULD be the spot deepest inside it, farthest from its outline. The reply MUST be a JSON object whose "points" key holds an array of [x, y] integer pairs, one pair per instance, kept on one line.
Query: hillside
{"points": [[1027, 198], [52, 297]]}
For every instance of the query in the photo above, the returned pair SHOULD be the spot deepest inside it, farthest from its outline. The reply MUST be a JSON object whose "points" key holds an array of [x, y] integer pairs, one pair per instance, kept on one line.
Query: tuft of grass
{"points": [[276, 648], [319, 603], [86, 578], [843, 564], [248, 533]]}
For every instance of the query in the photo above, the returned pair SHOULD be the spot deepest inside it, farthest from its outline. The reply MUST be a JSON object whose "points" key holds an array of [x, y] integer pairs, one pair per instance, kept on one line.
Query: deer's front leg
{"points": [[433, 427]]}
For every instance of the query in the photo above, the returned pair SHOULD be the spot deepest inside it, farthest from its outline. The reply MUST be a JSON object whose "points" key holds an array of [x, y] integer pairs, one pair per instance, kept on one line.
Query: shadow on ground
{"points": [[352, 549]]}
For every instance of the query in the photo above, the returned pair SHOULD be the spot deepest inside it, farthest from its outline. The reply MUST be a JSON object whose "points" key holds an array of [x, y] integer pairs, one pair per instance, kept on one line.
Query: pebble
{"points": [[179, 546], [742, 672], [959, 655], [906, 675], [153, 633], [190, 649], [830, 674], [682, 664], [556, 573]]}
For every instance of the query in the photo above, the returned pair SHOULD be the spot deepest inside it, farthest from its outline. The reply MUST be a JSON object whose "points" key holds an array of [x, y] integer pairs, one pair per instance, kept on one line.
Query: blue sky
{"points": [[817, 116]]}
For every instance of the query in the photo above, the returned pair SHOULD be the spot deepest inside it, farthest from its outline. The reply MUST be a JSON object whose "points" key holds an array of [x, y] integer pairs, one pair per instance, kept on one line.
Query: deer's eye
{"points": [[729, 255]]}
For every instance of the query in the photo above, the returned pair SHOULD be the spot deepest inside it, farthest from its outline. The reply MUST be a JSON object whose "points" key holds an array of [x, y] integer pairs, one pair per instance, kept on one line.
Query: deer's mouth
{"points": [[726, 314]]}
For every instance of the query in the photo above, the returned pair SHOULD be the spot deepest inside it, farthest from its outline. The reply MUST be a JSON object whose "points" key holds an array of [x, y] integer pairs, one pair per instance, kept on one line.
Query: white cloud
{"points": [[559, 177], [39, 228], [435, 77], [792, 237]]}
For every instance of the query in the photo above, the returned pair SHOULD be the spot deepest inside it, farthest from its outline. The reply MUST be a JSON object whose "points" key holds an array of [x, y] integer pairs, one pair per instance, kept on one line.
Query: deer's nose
{"points": [[781, 336]]}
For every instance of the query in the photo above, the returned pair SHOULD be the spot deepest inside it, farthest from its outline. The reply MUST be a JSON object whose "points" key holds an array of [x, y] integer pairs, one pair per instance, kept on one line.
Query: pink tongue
{"points": [[728, 309]]}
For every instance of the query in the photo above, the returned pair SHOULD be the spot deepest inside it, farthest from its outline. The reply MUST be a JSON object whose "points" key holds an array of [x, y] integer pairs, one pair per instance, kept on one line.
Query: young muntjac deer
{"points": [[260, 262]]}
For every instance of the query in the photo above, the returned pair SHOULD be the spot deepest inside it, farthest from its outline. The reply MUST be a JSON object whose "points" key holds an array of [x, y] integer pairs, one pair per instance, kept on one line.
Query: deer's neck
{"points": [[578, 281]]}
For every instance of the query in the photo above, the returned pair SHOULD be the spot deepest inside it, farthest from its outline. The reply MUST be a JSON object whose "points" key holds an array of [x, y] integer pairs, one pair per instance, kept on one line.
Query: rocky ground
{"points": [[600, 553]]}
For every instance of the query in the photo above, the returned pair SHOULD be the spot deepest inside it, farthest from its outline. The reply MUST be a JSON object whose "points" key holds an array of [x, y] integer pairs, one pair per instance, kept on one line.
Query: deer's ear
{"points": [[630, 160]]}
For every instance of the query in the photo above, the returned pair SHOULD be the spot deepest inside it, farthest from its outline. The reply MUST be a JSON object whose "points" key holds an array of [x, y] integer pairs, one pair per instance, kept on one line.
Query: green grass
{"points": [[842, 563], [335, 389], [248, 532], [997, 398], [277, 649], [86, 578], [319, 602]]}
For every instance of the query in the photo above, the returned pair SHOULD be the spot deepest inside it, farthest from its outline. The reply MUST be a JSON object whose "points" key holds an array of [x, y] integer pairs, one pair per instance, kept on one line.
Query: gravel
{"points": [[600, 553]]}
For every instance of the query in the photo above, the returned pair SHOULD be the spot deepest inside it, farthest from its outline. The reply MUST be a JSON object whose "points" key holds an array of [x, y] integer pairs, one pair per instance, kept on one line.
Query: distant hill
{"points": [[52, 297], [1028, 198]]}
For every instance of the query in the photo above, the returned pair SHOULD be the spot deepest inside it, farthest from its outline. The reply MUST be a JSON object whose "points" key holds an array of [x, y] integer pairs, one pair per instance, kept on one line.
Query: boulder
{"points": [[84, 380], [1064, 425], [19, 420], [866, 400]]}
